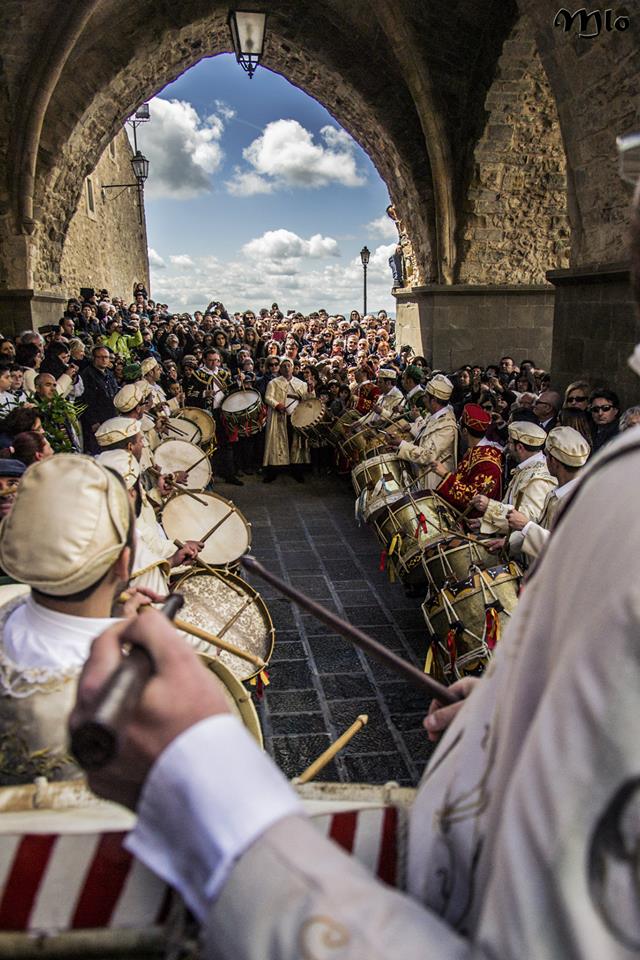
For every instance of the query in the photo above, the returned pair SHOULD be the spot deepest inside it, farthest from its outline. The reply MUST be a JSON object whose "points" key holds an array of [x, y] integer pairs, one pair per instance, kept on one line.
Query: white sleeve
{"points": [[195, 818]]}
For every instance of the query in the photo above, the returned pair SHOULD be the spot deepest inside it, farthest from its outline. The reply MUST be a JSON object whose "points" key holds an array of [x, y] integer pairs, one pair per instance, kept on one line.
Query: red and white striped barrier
{"points": [[53, 882]]}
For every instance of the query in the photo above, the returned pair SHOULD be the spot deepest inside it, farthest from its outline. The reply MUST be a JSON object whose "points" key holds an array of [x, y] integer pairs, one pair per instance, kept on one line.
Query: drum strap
{"points": [[607, 458]]}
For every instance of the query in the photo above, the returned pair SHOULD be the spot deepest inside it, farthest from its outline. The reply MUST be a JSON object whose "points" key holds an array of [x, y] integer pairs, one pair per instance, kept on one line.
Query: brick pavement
{"points": [[320, 683]]}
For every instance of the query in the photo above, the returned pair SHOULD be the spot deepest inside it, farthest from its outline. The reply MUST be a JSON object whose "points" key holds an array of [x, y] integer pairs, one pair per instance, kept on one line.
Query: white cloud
{"points": [[224, 110], [383, 227], [248, 183], [283, 245], [155, 260], [183, 149], [285, 155], [182, 260], [295, 284]]}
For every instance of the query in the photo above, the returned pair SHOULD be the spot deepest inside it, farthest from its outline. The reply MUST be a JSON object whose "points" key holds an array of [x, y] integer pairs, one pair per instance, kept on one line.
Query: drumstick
{"points": [[210, 533], [182, 433], [94, 742], [426, 683], [189, 493], [327, 756], [204, 457], [212, 570], [227, 626], [215, 639]]}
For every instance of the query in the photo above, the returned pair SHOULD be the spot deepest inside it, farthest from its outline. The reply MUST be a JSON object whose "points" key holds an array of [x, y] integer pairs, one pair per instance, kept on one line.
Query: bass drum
{"points": [[233, 610], [243, 413], [183, 518], [308, 420], [174, 455]]}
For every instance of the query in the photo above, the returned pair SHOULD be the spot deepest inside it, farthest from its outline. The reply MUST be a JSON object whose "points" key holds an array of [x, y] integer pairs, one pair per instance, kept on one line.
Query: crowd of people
{"points": [[61, 382]]}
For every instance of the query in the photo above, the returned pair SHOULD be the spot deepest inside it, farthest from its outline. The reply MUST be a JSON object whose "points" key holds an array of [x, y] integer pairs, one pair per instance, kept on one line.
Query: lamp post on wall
{"points": [[365, 253], [139, 163], [247, 35], [140, 167]]}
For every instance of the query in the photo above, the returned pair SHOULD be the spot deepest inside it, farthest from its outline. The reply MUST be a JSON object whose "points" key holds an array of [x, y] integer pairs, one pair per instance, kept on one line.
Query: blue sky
{"points": [[256, 194]]}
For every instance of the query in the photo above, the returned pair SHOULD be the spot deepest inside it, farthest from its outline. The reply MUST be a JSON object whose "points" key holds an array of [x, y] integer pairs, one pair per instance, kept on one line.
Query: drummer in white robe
{"points": [[437, 441], [566, 451], [120, 440], [69, 539], [529, 485], [280, 450]]}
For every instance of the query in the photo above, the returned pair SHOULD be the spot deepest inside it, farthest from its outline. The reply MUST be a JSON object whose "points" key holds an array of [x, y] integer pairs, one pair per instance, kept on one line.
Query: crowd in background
{"points": [[57, 385]]}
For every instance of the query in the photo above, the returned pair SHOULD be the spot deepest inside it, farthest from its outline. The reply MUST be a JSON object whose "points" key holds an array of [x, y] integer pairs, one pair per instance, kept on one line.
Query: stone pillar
{"points": [[452, 325], [596, 327], [25, 309]]}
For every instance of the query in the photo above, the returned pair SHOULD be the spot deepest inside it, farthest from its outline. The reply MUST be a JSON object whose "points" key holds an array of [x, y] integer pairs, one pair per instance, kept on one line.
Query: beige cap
{"points": [[81, 513], [117, 429], [386, 374], [568, 446], [123, 462], [148, 365], [131, 395], [439, 387], [528, 433]]}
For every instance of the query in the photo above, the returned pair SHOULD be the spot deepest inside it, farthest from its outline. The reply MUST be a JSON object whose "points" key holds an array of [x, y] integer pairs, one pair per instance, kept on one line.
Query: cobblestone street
{"points": [[320, 683]]}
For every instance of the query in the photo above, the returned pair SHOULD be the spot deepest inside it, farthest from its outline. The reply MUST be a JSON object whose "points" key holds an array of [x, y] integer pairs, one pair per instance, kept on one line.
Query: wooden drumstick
{"points": [[320, 763], [213, 529], [230, 622], [94, 742], [189, 469], [189, 493], [216, 640], [427, 684]]}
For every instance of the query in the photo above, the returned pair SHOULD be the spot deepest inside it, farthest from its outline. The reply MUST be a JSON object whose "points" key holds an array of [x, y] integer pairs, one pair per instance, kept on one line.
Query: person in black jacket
{"points": [[604, 406], [100, 387]]}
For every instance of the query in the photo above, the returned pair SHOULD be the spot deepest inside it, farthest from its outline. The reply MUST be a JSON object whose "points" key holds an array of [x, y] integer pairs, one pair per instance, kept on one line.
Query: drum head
{"points": [[179, 429], [203, 420], [307, 413], [172, 455], [241, 400], [183, 518], [227, 606]]}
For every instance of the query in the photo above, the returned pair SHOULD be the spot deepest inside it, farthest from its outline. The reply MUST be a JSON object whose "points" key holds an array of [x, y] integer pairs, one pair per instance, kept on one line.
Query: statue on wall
{"points": [[402, 261]]}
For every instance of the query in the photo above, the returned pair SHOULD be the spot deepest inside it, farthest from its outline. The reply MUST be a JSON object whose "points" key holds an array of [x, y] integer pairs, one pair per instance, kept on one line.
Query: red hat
{"points": [[476, 418]]}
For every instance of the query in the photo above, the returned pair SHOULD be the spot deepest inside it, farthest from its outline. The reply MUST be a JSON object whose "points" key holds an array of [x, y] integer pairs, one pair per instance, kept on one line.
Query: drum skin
{"points": [[205, 423], [173, 455], [307, 419], [466, 601], [183, 518], [178, 428], [212, 602]]}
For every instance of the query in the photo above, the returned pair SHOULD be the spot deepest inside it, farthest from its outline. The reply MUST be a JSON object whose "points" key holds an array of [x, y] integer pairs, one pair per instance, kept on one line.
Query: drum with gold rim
{"points": [[451, 557], [184, 518], [205, 423], [339, 427], [465, 620], [227, 606]]}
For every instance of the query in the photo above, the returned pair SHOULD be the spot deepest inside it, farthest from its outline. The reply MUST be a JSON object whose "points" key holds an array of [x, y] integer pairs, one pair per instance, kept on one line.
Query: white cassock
{"points": [[276, 449]]}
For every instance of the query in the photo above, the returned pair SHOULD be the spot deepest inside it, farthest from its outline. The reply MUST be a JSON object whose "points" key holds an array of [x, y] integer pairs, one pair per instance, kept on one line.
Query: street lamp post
{"points": [[365, 253]]}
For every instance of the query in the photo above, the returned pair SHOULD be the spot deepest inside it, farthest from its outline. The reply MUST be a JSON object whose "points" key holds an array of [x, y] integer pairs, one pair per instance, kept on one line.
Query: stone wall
{"points": [[453, 325], [108, 249], [596, 328], [516, 225]]}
